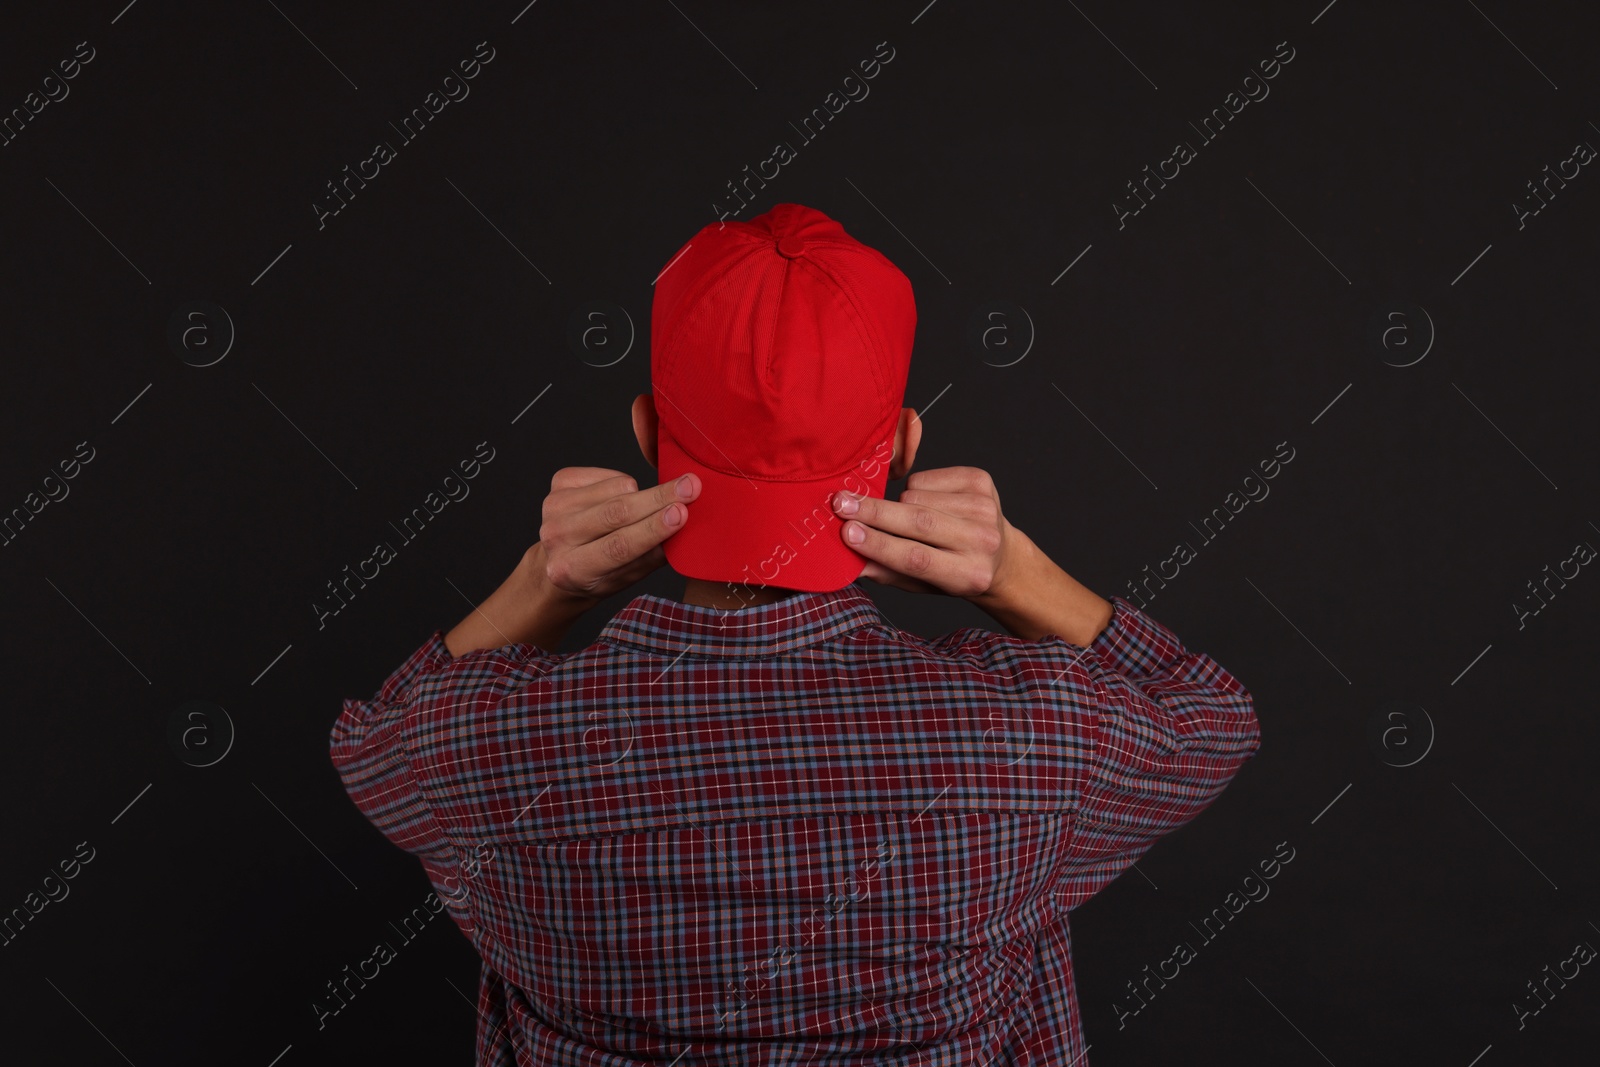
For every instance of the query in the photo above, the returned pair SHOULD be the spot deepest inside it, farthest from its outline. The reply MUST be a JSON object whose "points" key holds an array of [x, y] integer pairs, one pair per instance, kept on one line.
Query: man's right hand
{"points": [[947, 534]]}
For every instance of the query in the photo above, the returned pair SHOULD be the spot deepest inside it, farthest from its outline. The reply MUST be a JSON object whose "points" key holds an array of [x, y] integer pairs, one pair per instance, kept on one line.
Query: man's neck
{"points": [[726, 597]]}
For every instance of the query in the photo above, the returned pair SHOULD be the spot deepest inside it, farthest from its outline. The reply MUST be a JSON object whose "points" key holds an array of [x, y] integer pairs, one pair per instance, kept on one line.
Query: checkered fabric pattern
{"points": [[788, 834]]}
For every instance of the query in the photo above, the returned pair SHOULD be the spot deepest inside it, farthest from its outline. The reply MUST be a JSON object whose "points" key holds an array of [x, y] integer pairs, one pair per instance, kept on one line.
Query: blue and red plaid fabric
{"points": [[792, 833]]}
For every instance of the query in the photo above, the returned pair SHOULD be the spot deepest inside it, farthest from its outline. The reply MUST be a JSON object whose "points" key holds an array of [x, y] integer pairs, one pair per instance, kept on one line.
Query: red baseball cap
{"points": [[779, 350]]}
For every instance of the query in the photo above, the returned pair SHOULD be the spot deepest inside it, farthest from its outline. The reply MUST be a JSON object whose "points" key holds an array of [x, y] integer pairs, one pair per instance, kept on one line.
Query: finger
{"points": [[952, 480], [618, 551], [564, 512], [915, 559], [614, 509], [914, 521], [577, 498], [578, 477], [976, 506], [580, 573]]}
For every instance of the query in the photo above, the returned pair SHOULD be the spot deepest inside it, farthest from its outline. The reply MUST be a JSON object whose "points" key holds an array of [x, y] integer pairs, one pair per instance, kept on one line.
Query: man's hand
{"points": [[601, 533], [946, 534]]}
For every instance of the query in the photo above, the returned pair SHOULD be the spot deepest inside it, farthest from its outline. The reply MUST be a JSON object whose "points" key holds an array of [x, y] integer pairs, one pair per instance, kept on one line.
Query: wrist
{"points": [[527, 608], [554, 603], [1020, 570], [1033, 597]]}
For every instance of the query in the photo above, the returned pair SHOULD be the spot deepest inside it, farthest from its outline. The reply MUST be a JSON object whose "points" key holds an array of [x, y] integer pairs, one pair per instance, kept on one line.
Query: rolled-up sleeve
{"points": [[368, 751], [1173, 728]]}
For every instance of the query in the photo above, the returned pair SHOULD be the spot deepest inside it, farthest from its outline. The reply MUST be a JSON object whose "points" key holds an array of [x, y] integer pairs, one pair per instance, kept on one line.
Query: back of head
{"points": [[780, 348]]}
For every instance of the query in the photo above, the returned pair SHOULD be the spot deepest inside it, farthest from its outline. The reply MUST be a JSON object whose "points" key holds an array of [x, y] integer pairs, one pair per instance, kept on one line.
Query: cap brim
{"points": [[757, 532]]}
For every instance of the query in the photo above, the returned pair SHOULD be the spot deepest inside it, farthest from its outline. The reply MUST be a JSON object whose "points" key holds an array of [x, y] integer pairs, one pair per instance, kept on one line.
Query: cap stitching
{"points": [[783, 285], [860, 324]]}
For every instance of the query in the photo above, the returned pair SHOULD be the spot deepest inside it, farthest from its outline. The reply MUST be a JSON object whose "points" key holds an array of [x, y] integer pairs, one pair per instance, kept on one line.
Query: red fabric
{"points": [[780, 349]]}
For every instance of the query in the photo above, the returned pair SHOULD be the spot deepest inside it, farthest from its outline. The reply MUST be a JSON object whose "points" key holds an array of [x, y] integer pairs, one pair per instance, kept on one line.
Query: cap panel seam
{"points": [[861, 324], [857, 324], [777, 314]]}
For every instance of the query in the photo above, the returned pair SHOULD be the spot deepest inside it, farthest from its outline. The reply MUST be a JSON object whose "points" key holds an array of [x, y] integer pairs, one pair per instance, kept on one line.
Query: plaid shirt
{"points": [[788, 834]]}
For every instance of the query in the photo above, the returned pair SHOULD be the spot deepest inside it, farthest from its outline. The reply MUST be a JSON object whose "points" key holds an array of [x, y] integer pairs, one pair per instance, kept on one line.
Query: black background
{"points": [[1230, 315]]}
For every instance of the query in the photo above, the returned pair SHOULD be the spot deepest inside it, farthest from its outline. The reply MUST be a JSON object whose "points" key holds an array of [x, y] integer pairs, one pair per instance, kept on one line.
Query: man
{"points": [[763, 824]]}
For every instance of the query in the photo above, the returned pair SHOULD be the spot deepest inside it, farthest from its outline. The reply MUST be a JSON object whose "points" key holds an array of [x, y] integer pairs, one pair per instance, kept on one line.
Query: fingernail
{"points": [[847, 504], [854, 533], [674, 515], [685, 490]]}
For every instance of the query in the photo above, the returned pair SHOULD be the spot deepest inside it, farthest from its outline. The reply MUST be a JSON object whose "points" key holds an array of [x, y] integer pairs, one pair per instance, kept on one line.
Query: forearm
{"points": [[526, 608], [1036, 597]]}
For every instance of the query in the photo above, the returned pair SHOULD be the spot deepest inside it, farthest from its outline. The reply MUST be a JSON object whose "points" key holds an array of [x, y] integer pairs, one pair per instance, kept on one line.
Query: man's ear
{"points": [[645, 425], [907, 436]]}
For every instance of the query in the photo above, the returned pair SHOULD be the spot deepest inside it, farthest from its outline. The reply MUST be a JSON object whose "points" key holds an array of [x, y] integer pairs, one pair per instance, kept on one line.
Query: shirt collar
{"points": [[657, 624]]}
